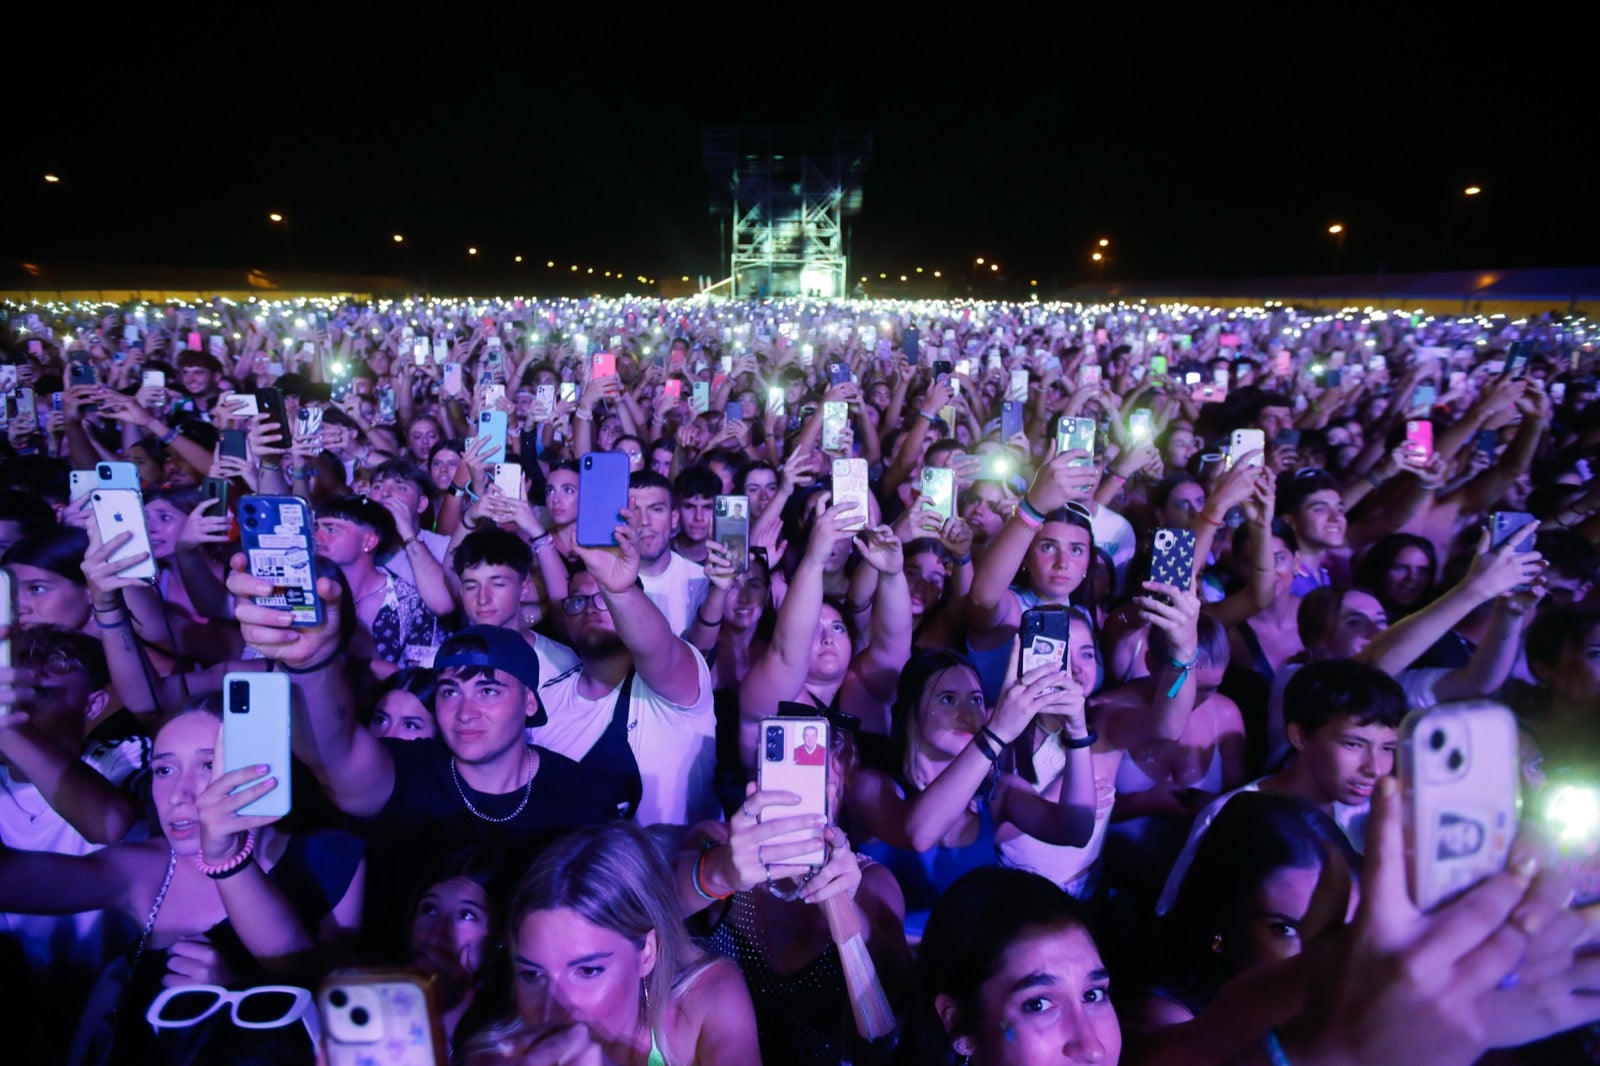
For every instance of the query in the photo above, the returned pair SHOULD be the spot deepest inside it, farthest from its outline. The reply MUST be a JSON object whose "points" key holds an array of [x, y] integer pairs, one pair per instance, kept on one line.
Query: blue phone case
{"points": [[276, 533], [602, 494], [492, 424]]}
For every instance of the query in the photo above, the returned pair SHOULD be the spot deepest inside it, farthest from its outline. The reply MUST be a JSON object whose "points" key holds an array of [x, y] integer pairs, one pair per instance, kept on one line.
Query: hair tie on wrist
{"points": [[232, 864]]}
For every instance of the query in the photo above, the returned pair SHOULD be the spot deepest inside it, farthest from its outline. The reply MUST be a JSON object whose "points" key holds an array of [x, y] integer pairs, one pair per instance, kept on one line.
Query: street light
{"points": [[1336, 229], [399, 238], [51, 179], [1471, 190], [472, 251], [994, 266], [274, 217], [1104, 243], [980, 260], [1097, 257]]}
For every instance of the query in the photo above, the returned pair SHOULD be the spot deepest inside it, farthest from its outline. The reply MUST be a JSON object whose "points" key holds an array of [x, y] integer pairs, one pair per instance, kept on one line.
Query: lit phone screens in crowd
{"points": [[386, 1017], [276, 534], [850, 487], [939, 491], [793, 757], [1458, 795], [255, 732], [1043, 634], [838, 373], [1141, 426], [603, 365], [119, 511], [602, 495], [731, 528]]}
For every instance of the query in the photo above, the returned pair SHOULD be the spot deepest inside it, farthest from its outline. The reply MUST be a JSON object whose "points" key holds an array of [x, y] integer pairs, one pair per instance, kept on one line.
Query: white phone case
{"points": [[255, 731], [118, 511], [790, 758]]}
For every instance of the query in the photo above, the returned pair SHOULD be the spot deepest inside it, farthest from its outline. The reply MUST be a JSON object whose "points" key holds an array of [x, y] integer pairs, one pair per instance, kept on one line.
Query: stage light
{"points": [[399, 239], [1336, 228], [51, 179]]}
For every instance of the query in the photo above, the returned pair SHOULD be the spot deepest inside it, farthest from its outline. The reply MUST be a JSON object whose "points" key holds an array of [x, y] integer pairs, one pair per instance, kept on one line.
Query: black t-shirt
{"points": [[425, 820]]}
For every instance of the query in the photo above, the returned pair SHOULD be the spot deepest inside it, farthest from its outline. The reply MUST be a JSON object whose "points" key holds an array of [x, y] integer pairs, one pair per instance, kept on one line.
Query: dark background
{"points": [[1218, 143]]}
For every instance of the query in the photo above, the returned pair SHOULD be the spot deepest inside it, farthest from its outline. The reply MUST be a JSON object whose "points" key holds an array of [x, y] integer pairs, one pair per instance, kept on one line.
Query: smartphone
{"points": [[794, 758], [508, 479], [1334, 378], [119, 511], [1076, 435], [153, 379], [1219, 377], [82, 372], [452, 379], [308, 422], [1011, 419], [775, 403], [1247, 440], [1172, 558], [255, 731], [80, 483], [221, 490], [672, 389], [731, 528], [568, 392], [245, 404], [421, 351], [372, 1016], [1191, 378], [8, 617], [603, 365], [271, 403], [850, 486], [838, 373], [276, 531], [1488, 442], [1158, 366], [943, 368], [1140, 426], [1419, 438], [493, 395], [939, 490], [911, 344], [233, 443], [1044, 637], [1423, 398], [1504, 526], [1017, 391], [493, 424], [1517, 357], [835, 419], [386, 406], [1458, 796], [1558, 392], [1089, 376], [602, 494], [700, 399]]}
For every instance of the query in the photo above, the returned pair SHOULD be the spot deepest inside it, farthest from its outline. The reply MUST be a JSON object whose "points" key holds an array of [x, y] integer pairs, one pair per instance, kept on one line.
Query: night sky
{"points": [[1199, 151]]}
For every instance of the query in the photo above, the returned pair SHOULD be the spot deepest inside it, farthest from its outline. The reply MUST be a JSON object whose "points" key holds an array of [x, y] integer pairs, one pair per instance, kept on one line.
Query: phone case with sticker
{"points": [[276, 531]]}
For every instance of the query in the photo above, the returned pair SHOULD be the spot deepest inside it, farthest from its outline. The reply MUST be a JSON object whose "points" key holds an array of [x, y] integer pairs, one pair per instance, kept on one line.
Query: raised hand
{"points": [[271, 630]]}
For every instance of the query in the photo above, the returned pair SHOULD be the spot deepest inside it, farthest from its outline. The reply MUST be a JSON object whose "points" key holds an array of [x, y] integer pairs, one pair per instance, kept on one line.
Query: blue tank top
{"points": [[924, 875]]}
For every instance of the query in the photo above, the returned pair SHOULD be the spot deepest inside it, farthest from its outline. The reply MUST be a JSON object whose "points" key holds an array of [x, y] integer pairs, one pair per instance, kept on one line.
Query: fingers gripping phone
{"points": [[1172, 557], [494, 424], [794, 758], [255, 731], [119, 511], [1458, 795], [1419, 438], [850, 487], [1076, 435]]}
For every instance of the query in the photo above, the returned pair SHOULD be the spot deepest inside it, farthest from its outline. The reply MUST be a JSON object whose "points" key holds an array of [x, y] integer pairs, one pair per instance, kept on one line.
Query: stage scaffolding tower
{"points": [[789, 191]]}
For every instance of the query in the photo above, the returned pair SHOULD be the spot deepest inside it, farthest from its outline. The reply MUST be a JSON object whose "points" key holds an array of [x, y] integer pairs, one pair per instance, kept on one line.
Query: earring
{"points": [[1216, 943]]}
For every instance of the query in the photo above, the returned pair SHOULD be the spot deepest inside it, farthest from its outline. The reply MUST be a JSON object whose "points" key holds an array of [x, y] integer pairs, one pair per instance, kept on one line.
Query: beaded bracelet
{"points": [[232, 863]]}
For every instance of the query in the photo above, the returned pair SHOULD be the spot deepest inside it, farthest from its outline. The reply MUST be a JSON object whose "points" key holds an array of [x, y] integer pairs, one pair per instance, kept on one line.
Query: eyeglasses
{"points": [[576, 605], [263, 1007]]}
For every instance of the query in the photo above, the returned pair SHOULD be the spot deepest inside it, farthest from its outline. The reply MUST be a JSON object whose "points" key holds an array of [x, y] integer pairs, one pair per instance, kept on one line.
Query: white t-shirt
{"points": [[679, 590], [398, 562], [1115, 534], [1353, 820], [675, 745]]}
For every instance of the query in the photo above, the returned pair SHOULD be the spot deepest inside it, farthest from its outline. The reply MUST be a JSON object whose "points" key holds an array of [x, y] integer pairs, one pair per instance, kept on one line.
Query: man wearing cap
{"points": [[483, 784]]}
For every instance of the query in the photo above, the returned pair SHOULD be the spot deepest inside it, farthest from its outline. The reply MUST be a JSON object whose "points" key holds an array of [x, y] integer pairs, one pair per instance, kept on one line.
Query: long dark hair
{"points": [[1373, 569]]}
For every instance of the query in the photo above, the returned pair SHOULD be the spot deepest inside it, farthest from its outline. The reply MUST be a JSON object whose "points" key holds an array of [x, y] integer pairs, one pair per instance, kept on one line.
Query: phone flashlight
{"points": [[1572, 813]]}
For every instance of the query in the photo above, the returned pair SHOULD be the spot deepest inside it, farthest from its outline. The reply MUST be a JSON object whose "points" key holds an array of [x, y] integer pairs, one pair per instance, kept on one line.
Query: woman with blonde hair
{"points": [[604, 970]]}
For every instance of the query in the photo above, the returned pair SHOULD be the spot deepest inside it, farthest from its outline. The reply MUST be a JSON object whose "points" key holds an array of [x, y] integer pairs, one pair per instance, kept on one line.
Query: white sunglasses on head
{"points": [[262, 1007]]}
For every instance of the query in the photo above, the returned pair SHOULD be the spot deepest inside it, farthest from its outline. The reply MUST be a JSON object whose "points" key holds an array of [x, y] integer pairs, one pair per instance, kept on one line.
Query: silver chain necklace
{"points": [[155, 909], [527, 792]]}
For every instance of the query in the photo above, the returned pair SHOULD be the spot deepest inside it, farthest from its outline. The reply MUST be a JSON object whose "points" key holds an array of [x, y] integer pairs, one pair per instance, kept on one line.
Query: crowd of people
{"points": [[526, 758]]}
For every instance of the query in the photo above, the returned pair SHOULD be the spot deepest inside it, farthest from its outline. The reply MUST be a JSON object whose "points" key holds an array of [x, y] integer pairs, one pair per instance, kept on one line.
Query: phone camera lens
{"points": [[360, 1016], [1455, 760], [338, 998], [1436, 740]]}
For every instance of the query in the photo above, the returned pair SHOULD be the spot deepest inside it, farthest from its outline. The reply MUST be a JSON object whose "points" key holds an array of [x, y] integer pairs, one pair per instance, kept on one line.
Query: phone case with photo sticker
{"points": [[731, 528], [793, 757], [276, 534], [376, 1017], [1043, 635], [1458, 769]]}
